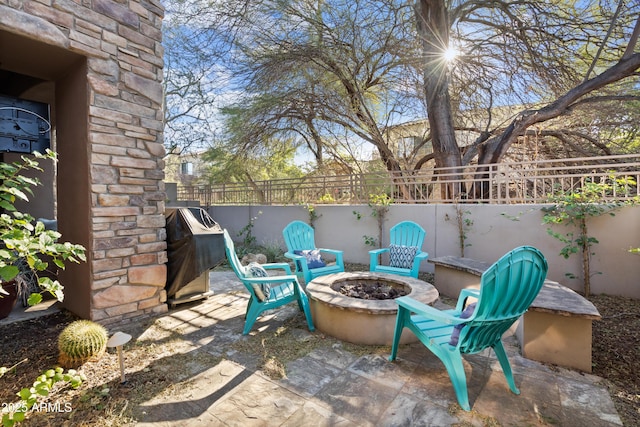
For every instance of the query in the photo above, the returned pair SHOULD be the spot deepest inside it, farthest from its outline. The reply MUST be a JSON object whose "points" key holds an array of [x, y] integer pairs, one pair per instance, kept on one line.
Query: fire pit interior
{"points": [[359, 307], [371, 289]]}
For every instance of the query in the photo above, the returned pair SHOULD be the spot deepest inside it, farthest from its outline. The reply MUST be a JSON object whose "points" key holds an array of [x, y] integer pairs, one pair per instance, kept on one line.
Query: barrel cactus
{"points": [[80, 342]]}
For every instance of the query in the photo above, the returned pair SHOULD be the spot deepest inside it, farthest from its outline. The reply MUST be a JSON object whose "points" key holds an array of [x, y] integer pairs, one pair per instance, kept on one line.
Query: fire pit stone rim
{"points": [[319, 289]]}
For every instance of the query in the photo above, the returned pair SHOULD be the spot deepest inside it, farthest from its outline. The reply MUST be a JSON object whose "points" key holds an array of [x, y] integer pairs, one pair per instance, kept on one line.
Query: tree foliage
{"points": [[227, 166], [315, 76], [195, 83], [334, 76]]}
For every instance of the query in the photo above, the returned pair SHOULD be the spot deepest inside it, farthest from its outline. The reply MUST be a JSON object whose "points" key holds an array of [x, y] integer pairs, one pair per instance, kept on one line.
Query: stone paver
{"points": [[333, 387]]}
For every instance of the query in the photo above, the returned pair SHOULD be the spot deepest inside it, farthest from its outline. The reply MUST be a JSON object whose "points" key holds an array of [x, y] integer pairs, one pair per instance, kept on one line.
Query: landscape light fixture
{"points": [[118, 340]]}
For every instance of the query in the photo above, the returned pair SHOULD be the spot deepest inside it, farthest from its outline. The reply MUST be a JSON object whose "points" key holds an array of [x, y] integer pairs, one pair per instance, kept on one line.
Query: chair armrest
{"points": [[377, 252], [293, 256], [338, 254], [335, 252], [300, 262], [271, 279], [374, 256], [464, 294], [448, 317], [420, 256], [331, 251], [278, 266]]}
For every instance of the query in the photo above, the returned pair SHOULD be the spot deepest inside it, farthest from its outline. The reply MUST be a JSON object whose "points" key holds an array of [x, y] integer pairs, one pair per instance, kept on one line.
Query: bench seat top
{"points": [[468, 265], [553, 297]]}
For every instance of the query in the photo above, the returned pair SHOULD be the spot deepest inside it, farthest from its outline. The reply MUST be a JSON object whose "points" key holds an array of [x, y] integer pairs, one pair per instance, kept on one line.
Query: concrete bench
{"points": [[556, 329]]}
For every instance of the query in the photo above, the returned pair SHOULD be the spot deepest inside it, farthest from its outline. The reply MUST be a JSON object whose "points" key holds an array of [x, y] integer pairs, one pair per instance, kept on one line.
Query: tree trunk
{"points": [[433, 29], [262, 199]]}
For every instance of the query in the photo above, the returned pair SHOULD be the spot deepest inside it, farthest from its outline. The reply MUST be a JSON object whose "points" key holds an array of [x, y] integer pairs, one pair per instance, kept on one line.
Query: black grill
{"points": [[195, 245]]}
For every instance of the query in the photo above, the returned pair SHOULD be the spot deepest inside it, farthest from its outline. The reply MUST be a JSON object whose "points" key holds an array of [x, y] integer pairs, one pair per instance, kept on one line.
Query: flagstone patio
{"points": [[333, 386]]}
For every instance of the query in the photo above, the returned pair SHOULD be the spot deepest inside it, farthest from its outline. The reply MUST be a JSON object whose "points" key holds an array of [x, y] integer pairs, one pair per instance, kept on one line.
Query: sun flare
{"points": [[450, 54]]}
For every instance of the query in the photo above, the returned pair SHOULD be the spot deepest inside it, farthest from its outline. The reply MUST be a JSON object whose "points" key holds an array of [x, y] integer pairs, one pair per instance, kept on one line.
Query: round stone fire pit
{"points": [[363, 321]]}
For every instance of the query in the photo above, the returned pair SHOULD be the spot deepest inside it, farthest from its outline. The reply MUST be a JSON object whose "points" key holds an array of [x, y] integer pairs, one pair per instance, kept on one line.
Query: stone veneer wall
{"points": [[121, 41]]}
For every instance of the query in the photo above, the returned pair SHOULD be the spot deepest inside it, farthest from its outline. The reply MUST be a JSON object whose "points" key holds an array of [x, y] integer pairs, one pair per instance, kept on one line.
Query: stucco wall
{"points": [[496, 229]]}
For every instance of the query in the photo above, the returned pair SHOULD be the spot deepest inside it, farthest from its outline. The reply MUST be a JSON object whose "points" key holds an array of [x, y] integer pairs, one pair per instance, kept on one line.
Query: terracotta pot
{"points": [[7, 302]]}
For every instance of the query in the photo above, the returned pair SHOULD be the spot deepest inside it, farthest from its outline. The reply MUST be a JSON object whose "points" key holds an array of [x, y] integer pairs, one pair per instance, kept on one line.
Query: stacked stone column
{"points": [[121, 41]]}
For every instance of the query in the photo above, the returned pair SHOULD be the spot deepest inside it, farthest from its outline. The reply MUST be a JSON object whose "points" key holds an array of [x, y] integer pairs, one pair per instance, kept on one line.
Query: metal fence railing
{"points": [[506, 183]]}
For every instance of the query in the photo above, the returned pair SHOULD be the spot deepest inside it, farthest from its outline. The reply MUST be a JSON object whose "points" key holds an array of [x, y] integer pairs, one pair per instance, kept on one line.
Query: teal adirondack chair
{"points": [[283, 289], [405, 250], [299, 238], [507, 289]]}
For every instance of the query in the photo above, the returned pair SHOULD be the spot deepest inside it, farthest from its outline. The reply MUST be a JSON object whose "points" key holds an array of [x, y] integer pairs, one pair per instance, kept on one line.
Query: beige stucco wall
{"points": [[496, 229]]}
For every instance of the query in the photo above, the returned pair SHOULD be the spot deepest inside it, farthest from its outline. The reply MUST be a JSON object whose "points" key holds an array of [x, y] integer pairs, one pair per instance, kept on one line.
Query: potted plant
{"points": [[27, 246], [8, 297]]}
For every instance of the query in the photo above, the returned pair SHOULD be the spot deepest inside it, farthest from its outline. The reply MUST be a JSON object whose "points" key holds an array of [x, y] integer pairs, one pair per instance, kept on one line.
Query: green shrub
{"points": [[41, 389]]}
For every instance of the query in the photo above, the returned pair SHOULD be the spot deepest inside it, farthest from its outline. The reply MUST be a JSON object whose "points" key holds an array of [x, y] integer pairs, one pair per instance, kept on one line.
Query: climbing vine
{"points": [[575, 208], [464, 225], [379, 204]]}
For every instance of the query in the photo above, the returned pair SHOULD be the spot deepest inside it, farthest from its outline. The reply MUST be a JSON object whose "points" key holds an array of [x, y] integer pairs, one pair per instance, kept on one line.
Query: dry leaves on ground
{"points": [[616, 358]]}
